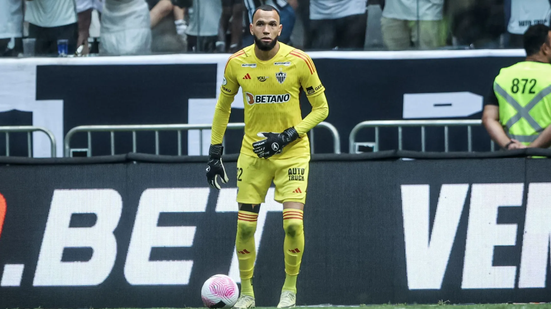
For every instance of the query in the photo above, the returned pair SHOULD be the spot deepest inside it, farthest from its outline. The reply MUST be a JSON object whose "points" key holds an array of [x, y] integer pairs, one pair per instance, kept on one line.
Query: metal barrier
{"points": [[28, 129], [414, 123], [171, 127]]}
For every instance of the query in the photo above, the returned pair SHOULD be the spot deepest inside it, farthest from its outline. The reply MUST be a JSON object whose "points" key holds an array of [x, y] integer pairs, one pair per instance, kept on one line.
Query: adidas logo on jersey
{"points": [[247, 76], [297, 190]]}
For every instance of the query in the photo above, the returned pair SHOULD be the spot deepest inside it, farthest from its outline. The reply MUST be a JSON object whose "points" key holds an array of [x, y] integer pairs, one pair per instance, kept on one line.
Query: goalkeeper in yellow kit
{"points": [[275, 146]]}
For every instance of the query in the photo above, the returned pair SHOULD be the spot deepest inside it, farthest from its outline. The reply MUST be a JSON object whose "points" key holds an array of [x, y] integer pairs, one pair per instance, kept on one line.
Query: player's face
{"points": [[265, 29]]}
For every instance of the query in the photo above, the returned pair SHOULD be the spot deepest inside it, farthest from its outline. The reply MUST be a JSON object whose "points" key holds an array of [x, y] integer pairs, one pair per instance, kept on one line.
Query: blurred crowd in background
{"points": [[138, 27]]}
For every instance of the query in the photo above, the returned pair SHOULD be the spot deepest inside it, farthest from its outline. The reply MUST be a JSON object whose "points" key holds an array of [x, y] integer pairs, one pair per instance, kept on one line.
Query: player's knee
{"points": [[254, 208], [293, 228], [245, 229]]}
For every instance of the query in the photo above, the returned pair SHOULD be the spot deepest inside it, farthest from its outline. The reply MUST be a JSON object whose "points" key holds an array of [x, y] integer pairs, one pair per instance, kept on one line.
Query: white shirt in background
{"points": [[414, 9], [335, 9], [11, 19], [204, 19], [51, 13], [83, 5], [125, 28], [525, 13]]}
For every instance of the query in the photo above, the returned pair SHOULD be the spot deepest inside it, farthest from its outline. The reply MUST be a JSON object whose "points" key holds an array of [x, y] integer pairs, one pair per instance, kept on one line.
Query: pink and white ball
{"points": [[219, 291]]}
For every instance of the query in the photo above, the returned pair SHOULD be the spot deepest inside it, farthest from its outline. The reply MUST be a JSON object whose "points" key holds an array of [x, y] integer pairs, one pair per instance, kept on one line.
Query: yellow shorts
{"points": [[255, 175]]}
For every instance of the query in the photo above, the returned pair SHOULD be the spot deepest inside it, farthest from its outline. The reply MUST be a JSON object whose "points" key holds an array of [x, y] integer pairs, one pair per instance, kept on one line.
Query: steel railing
{"points": [[415, 123], [28, 129], [169, 127]]}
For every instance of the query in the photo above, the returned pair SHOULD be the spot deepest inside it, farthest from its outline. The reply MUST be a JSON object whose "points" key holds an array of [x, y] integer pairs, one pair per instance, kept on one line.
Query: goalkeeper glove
{"points": [[215, 167], [274, 142]]}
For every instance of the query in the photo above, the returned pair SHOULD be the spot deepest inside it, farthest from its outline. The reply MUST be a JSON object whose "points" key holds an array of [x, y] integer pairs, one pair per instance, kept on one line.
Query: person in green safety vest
{"points": [[517, 113]]}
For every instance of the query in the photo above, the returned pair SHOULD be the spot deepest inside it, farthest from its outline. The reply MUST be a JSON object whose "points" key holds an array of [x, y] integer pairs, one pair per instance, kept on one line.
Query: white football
{"points": [[219, 291]]}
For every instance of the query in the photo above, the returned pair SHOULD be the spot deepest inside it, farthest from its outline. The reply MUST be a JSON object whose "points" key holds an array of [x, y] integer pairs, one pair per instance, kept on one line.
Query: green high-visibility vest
{"points": [[523, 92]]}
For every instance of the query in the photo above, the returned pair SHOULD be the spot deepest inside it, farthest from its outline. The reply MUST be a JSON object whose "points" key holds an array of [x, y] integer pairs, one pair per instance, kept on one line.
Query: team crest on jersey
{"points": [[262, 78], [281, 76]]}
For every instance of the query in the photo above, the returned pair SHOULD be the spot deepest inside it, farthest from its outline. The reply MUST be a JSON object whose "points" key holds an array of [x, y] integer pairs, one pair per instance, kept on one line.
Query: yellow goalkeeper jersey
{"points": [[271, 96]]}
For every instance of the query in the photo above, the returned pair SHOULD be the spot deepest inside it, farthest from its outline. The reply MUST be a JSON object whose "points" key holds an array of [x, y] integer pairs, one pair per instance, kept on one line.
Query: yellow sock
{"points": [[246, 250], [290, 283], [293, 246], [247, 287]]}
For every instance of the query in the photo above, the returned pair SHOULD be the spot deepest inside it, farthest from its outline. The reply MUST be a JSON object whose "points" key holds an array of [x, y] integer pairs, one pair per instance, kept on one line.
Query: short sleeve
{"points": [[491, 98]]}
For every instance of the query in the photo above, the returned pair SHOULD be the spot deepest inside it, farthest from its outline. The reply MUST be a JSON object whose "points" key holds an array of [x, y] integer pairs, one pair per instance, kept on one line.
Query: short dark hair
{"points": [[267, 8], [534, 37]]}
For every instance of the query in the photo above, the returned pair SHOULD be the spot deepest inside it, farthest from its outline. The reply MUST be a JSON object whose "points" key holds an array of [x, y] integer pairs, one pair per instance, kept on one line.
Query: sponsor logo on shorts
{"points": [[296, 174], [267, 98]]}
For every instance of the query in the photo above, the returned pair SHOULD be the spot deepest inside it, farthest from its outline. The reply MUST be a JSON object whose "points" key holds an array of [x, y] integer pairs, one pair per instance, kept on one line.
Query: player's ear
{"points": [[251, 28], [545, 50], [280, 27]]}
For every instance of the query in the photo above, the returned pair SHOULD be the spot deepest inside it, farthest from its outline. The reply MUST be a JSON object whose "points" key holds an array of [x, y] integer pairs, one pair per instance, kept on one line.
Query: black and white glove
{"points": [[273, 142], [215, 167]]}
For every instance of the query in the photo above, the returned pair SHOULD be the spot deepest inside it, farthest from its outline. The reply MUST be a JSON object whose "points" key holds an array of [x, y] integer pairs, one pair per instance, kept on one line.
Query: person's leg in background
{"points": [[224, 25], [396, 34], [43, 44], [46, 38], [427, 34], [323, 34], [373, 35], [18, 48], [11, 47], [4, 47], [303, 10], [67, 32], [236, 29], [288, 18], [351, 30], [514, 40], [162, 9], [206, 44], [191, 43]]}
